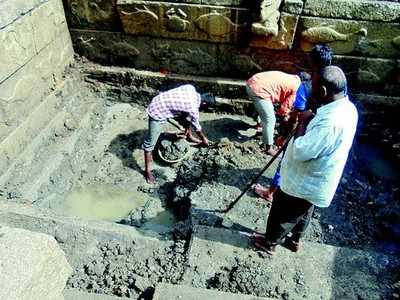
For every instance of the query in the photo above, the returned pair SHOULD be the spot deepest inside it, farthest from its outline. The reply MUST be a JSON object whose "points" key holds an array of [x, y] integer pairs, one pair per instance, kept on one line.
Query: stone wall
{"points": [[35, 47], [231, 38]]}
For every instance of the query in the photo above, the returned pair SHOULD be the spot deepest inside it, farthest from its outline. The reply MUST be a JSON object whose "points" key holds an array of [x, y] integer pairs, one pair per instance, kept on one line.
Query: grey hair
{"points": [[333, 78]]}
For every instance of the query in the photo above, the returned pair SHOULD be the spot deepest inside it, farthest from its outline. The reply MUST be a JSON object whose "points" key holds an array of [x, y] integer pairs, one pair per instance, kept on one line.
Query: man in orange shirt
{"points": [[266, 89]]}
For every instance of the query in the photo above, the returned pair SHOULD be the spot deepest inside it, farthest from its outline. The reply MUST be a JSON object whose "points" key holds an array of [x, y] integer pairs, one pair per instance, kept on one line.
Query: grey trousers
{"points": [[155, 129], [265, 110]]}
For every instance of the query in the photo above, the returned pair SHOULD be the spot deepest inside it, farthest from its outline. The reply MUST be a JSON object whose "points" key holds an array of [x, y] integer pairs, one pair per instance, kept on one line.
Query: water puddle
{"points": [[103, 202]]}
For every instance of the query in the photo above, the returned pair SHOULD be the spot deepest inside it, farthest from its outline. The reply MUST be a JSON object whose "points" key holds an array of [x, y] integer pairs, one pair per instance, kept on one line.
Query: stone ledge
{"points": [[166, 291], [74, 294], [384, 11]]}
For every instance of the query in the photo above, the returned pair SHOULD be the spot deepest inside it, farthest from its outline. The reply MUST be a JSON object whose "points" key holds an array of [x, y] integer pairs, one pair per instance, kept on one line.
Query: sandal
{"points": [[261, 244]]}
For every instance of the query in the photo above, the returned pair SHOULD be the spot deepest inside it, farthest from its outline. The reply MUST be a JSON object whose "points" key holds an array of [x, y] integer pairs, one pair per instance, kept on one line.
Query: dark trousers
{"points": [[288, 214]]}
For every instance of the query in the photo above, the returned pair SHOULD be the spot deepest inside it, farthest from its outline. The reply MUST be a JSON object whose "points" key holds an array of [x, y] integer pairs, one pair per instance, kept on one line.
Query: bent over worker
{"points": [[183, 102], [266, 89]]}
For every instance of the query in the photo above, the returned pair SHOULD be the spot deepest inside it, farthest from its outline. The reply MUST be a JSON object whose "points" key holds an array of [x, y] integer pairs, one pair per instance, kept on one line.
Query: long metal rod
{"points": [[255, 179]]}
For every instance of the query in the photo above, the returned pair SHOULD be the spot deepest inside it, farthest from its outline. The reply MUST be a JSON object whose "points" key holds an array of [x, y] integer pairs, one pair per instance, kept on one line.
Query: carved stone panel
{"points": [[141, 52], [363, 38], [92, 14], [284, 40], [183, 21]]}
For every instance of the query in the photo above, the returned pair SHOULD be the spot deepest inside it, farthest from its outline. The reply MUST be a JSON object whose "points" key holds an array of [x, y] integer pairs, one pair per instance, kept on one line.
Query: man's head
{"points": [[328, 84], [320, 56], [207, 101]]}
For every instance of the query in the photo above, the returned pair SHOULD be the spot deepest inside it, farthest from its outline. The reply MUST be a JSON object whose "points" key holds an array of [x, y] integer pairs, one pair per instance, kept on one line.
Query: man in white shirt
{"points": [[314, 161]]}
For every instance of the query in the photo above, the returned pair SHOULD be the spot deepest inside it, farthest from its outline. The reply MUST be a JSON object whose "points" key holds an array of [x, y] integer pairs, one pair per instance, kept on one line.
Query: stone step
{"points": [[223, 259], [47, 150], [75, 294], [166, 291], [79, 239]]}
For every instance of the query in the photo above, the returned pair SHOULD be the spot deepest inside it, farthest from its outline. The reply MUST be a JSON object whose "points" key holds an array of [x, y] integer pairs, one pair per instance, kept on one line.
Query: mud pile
{"points": [[117, 270]]}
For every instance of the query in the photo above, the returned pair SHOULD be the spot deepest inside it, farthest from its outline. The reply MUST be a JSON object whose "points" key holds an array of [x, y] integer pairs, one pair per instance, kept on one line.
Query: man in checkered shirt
{"points": [[182, 103]]}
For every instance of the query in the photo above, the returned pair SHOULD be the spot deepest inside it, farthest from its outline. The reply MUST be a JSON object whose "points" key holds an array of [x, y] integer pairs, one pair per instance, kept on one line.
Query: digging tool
{"points": [[177, 126], [248, 187]]}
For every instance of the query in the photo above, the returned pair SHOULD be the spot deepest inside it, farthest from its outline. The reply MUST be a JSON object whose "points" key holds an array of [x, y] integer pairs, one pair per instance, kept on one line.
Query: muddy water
{"points": [[103, 202]]}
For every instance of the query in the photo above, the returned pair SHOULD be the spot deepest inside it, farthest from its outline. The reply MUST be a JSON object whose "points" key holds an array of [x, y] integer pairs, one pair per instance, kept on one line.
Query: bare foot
{"points": [[271, 150], [264, 192], [150, 178], [190, 138]]}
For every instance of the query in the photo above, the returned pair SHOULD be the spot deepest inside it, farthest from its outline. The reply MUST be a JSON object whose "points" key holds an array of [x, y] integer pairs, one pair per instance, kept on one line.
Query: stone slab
{"points": [[165, 291], [30, 34], [75, 294], [358, 38], [223, 259], [32, 266], [184, 21], [385, 11], [90, 14]]}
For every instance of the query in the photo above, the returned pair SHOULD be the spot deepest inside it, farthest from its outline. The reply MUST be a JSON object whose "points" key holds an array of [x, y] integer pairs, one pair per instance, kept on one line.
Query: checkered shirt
{"points": [[171, 103]]}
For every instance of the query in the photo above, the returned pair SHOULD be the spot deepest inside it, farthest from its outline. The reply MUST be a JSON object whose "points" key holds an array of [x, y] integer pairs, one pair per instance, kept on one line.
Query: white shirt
{"points": [[313, 163]]}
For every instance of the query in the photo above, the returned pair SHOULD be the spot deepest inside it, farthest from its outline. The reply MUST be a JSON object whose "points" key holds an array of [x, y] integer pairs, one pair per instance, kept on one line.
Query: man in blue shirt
{"points": [[313, 162]]}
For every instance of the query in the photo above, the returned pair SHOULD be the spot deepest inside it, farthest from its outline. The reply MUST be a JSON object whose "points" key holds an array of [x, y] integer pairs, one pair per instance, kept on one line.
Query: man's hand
{"points": [[205, 141], [305, 117]]}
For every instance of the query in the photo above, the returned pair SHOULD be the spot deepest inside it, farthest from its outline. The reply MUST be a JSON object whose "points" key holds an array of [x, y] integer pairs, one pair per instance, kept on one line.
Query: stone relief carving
{"points": [[91, 11], [177, 58], [327, 34], [176, 20], [141, 15], [216, 24], [269, 18]]}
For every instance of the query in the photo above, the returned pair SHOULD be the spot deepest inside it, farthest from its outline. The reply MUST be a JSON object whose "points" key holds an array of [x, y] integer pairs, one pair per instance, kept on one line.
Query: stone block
{"points": [[184, 21], [10, 11], [17, 47], [32, 266], [361, 38], [370, 74], [284, 39], [88, 14], [48, 22], [176, 292], [242, 63], [28, 35], [385, 11]]}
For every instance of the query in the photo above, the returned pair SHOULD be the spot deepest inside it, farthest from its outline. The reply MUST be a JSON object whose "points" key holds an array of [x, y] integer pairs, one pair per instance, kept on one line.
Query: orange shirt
{"points": [[277, 86]]}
